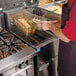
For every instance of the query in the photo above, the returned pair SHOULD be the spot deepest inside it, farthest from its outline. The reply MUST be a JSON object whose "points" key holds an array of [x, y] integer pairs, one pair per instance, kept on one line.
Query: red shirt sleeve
{"points": [[70, 28]]}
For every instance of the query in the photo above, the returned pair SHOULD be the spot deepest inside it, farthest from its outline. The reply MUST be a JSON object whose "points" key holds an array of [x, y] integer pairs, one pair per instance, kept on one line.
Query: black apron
{"points": [[67, 51]]}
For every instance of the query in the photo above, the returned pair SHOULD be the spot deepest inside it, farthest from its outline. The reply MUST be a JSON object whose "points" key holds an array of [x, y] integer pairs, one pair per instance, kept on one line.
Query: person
{"points": [[67, 35]]}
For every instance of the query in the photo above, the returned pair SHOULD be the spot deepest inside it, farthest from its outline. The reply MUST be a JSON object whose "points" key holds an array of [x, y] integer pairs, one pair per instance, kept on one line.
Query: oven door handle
{"points": [[44, 66], [21, 70]]}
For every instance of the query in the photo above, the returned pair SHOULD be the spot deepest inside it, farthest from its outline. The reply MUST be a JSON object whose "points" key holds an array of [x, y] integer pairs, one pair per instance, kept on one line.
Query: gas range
{"points": [[9, 44], [14, 53]]}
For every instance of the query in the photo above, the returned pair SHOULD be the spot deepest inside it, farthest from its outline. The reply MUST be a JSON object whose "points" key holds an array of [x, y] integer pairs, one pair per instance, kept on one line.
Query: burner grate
{"points": [[9, 44]]}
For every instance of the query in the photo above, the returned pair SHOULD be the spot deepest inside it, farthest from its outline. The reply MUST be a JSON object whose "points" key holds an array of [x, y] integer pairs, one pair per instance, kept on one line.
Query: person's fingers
{"points": [[45, 28], [39, 25], [53, 22], [46, 25], [43, 25]]}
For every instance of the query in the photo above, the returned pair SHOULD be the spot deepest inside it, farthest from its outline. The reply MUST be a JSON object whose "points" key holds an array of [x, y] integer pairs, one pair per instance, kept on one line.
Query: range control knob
{"points": [[27, 62], [19, 66]]}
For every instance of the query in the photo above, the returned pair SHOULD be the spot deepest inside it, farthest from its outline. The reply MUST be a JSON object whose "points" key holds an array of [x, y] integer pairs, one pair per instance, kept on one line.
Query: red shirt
{"points": [[70, 28]]}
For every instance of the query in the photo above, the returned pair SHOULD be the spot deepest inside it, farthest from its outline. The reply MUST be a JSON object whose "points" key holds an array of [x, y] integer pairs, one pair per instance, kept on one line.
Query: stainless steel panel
{"points": [[25, 71], [16, 59]]}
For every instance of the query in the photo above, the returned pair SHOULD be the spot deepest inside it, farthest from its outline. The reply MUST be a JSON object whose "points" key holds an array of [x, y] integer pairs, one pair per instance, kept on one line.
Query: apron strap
{"points": [[72, 5]]}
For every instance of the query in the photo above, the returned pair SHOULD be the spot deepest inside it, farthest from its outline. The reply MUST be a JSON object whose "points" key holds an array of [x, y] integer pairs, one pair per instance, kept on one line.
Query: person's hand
{"points": [[45, 25], [57, 24]]}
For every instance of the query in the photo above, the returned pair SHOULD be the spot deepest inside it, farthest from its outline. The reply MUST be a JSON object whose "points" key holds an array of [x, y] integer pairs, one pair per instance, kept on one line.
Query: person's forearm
{"points": [[56, 23], [59, 34]]}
